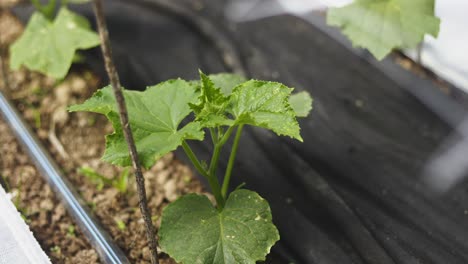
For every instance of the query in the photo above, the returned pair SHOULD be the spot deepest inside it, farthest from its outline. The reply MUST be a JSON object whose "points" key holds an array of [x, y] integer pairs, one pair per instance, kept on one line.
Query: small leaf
{"points": [[301, 103], [265, 104], [155, 116], [193, 231], [120, 224], [49, 47], [383, 25], [215, 90], [211, 108]]}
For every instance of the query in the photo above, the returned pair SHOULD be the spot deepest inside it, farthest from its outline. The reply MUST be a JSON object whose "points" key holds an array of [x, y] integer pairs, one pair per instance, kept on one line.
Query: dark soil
{"points": [[77, 140]]}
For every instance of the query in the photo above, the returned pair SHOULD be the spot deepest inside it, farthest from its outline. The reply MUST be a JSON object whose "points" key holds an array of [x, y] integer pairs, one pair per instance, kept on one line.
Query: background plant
{"points": [[381, 26], [239, 229], [120, 182], [49, 44]]}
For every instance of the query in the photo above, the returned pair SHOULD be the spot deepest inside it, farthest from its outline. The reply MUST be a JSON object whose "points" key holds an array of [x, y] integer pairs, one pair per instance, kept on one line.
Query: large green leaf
{"points": [[49, 47], [155, 116], [382, 25], [265, 104], [193, 231]]}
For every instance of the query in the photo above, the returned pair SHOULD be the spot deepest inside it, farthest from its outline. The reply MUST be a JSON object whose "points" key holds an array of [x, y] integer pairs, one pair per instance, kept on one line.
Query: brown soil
{"points": [[43, 102]]}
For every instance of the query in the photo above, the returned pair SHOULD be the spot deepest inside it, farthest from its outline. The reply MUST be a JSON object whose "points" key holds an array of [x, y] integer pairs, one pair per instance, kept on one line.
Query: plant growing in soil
{"points": [[120, 182], [49, 43], [239, 228]]}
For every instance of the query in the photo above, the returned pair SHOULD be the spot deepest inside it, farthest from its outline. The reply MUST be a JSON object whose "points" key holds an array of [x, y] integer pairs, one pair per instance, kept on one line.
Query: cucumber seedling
{"points": [[239, 228]]}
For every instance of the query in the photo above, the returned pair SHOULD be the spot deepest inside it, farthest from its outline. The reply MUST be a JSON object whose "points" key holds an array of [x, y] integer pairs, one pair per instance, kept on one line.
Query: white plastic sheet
{"points": [[17, 244]]}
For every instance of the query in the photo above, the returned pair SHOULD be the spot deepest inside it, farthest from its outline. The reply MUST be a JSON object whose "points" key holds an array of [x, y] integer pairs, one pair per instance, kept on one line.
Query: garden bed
{"points": [[43, 103], [352, 192]]}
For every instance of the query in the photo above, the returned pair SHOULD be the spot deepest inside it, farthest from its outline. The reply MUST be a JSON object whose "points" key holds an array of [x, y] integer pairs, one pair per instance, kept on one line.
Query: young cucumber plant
{"points": [[239, 228], [120, 182], [48, 45], [380, 26]]}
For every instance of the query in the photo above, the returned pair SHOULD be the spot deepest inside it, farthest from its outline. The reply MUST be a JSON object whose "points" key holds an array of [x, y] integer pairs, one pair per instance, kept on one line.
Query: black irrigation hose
{"points": [[107, 250]]}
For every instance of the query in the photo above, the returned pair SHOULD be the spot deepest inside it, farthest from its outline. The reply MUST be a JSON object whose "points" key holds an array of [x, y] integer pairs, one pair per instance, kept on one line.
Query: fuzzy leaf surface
{"points": [[193, 231], [49, 47], [155, 116], [301, 103], [382, 25]]}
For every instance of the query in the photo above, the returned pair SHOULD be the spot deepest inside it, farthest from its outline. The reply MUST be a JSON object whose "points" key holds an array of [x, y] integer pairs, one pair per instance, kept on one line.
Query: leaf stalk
{"points": [[232, 158], [194, 160]]}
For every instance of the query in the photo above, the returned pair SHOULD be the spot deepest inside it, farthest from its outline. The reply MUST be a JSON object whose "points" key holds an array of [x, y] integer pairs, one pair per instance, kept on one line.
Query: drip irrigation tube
{"points": [[108, 252]]}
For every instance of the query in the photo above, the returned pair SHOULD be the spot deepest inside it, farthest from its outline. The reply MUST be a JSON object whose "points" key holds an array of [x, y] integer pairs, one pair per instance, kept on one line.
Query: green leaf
{"points": [[226, 100], [155, 116], [265, 104], [211, 108], [383, 25], [193, 231], [49, 47], [301, 103]]}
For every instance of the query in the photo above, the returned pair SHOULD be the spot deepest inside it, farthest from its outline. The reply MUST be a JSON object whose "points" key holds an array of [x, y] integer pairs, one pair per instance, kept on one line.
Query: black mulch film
{"points": [[352, 192]]}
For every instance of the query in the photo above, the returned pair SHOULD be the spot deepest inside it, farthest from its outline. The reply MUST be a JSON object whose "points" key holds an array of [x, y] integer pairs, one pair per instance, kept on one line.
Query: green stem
{"points": [[194, 160], [214, 135], [217, 151], [232, 158], [226, 136], [212, 180]]}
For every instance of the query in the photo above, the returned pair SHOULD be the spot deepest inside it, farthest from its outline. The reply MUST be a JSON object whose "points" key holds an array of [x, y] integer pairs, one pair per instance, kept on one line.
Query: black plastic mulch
{"points": [[352, 192]]}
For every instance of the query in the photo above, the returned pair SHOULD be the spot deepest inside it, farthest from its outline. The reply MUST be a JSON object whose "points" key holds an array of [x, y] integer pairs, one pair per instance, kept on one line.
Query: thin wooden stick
{"points": [[115, 82]]}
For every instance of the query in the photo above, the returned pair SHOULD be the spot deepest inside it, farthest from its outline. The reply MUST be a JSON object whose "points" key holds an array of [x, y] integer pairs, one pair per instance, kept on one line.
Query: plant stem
{"points": [[214, 135], [194, 160], [226, 136], [115, 82], [232, 158], [212, 179], [217, 150]]}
